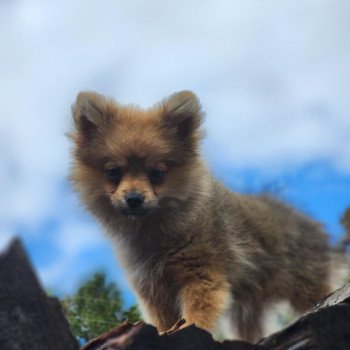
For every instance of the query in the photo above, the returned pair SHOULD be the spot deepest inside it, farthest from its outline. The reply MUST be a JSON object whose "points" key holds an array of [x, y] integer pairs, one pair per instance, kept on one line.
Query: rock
{"points": [[28, 318]]}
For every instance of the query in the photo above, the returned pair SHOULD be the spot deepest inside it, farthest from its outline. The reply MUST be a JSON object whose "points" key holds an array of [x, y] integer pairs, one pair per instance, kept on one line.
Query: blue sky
{"points": [[273, 78]]}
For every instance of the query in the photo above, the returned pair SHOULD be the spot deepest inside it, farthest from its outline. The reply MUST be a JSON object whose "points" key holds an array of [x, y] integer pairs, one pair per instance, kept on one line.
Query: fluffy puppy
{"points": [[191, 248]]}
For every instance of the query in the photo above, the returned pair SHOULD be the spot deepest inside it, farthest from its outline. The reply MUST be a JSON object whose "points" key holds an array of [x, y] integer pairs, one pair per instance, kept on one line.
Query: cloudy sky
{"points": [[273, 77]]}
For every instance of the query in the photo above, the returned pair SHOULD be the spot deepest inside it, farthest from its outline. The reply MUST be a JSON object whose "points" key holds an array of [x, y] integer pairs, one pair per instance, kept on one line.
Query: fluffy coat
{"points": [[198, 250]]}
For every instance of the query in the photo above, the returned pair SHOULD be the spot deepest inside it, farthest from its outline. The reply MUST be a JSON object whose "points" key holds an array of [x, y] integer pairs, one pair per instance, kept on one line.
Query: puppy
{"points": [[191, 248]]}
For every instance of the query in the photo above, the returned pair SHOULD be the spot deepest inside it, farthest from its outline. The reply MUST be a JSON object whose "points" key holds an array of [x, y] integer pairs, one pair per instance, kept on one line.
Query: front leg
{"points": [[204, 297], [159, 304]]}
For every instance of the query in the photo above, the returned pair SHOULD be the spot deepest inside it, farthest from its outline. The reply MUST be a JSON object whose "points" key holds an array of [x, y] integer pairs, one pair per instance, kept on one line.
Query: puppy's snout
{"points": [[134, 200]]}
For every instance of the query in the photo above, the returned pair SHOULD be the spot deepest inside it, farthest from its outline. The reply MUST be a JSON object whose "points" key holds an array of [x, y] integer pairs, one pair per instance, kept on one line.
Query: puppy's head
{"points": [[135, 160]]}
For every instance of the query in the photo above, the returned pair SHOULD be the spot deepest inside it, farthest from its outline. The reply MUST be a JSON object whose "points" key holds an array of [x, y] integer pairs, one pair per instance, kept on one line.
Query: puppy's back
{"points": [[276, 250]]}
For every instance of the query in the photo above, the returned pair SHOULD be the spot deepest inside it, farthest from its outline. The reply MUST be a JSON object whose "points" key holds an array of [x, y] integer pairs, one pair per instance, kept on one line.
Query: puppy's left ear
{"points": [[182, 113]]}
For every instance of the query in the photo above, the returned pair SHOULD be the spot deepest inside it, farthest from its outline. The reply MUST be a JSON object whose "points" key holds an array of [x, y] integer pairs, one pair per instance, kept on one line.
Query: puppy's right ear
{"points": [[89, 113]]}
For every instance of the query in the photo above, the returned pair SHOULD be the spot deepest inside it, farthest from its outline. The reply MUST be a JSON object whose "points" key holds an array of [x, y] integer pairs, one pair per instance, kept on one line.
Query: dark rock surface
{"points": [[28, 318]]}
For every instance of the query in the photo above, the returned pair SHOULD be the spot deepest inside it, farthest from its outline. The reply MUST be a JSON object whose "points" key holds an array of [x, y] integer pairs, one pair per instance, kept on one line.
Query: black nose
{"points": [[134, 200]]}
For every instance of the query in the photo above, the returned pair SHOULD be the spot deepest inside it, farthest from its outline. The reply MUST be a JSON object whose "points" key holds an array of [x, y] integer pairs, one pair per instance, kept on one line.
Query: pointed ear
{"points": [[89, 112], [182, 113]]}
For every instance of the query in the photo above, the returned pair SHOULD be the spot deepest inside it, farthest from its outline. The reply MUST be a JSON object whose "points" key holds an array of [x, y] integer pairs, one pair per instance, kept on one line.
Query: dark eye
{"points": [[156, 176], [114, 174]]}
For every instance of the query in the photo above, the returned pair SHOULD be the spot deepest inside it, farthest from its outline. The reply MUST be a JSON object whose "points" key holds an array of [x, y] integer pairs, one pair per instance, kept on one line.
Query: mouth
{"points": [[132, 213]]}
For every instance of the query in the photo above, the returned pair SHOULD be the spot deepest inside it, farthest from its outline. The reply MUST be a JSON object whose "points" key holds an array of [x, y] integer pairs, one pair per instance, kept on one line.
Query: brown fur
{"points": [[201, 250]]}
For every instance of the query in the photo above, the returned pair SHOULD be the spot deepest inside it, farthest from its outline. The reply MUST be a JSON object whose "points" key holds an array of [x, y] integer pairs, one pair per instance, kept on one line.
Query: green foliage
{"points": [[96, 308]]}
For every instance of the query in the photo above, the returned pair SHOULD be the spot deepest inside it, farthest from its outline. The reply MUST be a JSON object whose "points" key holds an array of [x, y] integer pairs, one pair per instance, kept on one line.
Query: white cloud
{"points": [[76, 236], [72, 240], [5, 239]]}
